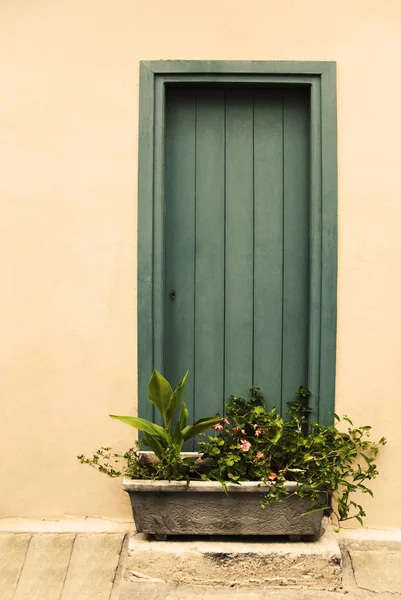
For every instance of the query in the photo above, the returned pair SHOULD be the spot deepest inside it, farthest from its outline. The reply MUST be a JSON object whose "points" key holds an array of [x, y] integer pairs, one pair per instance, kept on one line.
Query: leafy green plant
{"points": [[114, 464], [252, 443], [327, 463], [165, 441]]}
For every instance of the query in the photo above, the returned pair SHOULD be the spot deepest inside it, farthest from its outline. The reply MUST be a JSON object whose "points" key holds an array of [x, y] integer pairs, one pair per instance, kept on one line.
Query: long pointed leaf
{"points": [[316, 508], [218, 417], [175, 399], [199, 426], [143, 425], [178, 438], [153, 444], [183, 416], [160, 392]]}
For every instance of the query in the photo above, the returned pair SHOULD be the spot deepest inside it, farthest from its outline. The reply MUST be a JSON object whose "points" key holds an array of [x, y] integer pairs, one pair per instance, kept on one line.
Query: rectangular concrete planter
{"points": [[202, 508]]}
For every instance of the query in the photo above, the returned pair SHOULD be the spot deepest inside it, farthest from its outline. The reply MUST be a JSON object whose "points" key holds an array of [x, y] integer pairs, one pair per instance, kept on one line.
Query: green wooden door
{"points": [[236, 243]]}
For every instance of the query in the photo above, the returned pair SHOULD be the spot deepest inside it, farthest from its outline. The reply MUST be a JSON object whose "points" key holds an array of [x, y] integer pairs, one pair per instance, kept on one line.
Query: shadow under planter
{"points": [[164, 508]]}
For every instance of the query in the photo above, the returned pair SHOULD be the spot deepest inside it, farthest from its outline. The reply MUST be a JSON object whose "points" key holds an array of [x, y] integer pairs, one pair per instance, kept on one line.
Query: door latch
{"points": [[172, 294]]}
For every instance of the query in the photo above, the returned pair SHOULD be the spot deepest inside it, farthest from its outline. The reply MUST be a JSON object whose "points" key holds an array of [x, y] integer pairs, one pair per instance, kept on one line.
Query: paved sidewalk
{"points": [[90, 566], [59, 566]]}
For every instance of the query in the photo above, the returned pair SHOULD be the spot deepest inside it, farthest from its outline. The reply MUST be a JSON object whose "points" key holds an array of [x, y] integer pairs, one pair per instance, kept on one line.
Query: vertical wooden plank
{"points": [[296, 244], [315, 251], [239, 243], [180, 239], [329, 244], [158, 231], [145, 239], [268, 268], [209, 268]]}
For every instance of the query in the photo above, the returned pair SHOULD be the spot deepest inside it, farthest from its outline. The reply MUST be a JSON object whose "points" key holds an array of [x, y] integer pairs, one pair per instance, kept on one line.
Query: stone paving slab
{"points": [[93, 567], [13, 549], [377, 571], [45, 567], [58, 566]]}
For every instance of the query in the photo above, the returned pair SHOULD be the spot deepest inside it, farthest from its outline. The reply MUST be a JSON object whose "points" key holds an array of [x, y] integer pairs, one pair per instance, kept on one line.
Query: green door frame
{"points": [[320, 77]]}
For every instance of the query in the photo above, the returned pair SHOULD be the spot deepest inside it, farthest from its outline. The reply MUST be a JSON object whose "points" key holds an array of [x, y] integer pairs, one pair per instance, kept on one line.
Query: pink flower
{"points": [[258, 431], [259, 455], [272, 476], [243, 431], [234, 429], [245, 445], [218, 426], [226, 421]]}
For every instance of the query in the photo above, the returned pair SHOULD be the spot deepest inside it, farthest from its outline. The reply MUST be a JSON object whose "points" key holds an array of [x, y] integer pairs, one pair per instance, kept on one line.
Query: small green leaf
{"points": [[316, 508], [276, 437], [365, 489]]}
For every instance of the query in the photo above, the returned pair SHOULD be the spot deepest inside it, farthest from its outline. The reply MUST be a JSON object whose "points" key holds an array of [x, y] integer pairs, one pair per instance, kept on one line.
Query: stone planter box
{"points": [[166, 508]]}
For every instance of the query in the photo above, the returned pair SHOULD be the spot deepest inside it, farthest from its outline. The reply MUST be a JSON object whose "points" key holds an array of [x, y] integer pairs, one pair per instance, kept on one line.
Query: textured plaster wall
{"points": [[68, 156]]}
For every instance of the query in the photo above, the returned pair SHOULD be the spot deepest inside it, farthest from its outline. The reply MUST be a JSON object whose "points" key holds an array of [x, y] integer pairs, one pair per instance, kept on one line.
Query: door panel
{"points": [[236, 243]]}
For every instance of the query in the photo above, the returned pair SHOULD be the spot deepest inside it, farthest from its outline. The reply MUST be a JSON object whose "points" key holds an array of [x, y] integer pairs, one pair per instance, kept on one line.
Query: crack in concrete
{"points": [[119, 566], [348, 563], [361, 587], [395, 594], [68, 566], [23, 564]]}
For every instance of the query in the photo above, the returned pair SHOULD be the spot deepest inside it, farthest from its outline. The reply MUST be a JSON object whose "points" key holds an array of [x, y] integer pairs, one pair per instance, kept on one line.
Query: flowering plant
{"points": [[252, 444], [328, 463]]}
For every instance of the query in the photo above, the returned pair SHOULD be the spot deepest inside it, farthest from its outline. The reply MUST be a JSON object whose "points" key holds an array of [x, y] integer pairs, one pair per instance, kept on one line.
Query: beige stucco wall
{"points": [[68, 156]]}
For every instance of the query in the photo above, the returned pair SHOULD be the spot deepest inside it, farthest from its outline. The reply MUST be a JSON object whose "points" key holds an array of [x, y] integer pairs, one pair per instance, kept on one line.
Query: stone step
{"points": [[237, 562]]}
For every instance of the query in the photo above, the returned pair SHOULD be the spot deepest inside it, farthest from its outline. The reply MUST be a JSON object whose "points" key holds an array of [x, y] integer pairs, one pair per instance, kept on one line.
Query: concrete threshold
{"points": [[237, 562]]}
